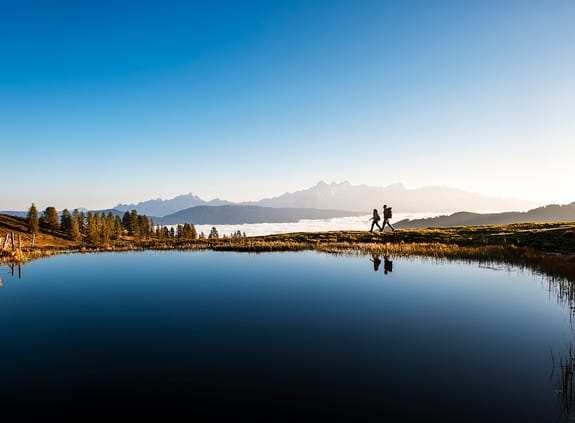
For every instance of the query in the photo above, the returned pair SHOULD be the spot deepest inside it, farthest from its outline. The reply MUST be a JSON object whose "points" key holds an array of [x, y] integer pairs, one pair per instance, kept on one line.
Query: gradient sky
{"points": [[104, 102]]}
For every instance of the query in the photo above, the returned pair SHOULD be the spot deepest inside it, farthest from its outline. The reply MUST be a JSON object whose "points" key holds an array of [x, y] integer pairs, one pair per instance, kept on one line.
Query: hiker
{"points": [[387, 265], [376, 262], [386, 217], [375, 217]]}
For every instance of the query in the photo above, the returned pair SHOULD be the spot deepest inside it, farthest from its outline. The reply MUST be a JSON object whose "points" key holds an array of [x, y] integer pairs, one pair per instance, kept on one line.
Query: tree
{"points": [[93, 230], [66, 222], [213, 233], [143, 226], [77, 224], [117, 227], [51, 218], [32, 220], [128, 223]]}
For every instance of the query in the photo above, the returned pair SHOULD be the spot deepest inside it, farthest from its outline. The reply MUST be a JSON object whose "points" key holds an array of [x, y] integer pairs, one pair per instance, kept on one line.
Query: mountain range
{"points": [[159, 207], [355, 198], [549, 213]]}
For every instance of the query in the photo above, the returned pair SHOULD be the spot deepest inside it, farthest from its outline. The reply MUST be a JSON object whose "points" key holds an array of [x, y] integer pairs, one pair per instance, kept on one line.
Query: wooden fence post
{"points": [[5, 241], [33, 240], [12, 236], [20, 242]]}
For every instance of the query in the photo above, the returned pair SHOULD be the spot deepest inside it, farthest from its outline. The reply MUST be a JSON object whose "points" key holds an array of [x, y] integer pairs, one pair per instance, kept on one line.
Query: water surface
{"points": [[307, 334]]}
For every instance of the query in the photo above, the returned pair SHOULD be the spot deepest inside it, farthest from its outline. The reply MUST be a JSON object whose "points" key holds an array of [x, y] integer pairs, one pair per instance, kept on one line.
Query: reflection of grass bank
{"points": [[543, 247]]}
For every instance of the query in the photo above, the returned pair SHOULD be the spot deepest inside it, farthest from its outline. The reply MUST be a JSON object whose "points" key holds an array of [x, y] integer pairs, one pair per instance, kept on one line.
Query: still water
{"points": [[280, 334]]}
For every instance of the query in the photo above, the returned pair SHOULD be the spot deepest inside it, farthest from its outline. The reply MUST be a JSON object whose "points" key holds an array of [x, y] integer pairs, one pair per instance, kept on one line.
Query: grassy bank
{"points": [[545, 247]]}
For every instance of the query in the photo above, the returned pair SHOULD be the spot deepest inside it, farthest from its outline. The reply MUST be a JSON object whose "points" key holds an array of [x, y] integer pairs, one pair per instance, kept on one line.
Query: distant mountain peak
{"points": [[345, 196], [160, 207]]}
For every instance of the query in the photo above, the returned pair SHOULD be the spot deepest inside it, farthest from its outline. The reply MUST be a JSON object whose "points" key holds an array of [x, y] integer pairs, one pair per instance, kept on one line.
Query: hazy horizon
{"points": [[42, 206], [106, 103]]}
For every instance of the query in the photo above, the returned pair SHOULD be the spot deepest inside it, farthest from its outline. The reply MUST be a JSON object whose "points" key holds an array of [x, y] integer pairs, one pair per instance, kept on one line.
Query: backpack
{"points": [[387, 213]]}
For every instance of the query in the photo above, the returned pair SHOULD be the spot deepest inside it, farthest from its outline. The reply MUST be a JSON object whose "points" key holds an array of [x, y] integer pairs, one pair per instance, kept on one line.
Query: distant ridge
{"points": [[15, 213], [345, 196], [240, 214], [549, 213], [159, 207]]}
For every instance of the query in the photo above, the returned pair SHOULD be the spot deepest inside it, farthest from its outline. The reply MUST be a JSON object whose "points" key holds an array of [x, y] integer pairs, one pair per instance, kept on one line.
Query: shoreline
{"points": [[543, 247]]}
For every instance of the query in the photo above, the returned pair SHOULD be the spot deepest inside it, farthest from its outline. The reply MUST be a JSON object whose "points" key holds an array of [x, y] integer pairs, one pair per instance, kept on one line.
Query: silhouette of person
{"points": [[375, 218], [376, 262], [386, 217], [387, 265]]}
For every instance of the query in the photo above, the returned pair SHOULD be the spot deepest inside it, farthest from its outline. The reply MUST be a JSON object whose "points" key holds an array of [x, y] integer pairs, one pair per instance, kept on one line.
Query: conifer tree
{"points": [[76, 226], [127, 223], [66, 222], [93, 232], [117, 227], [51, 218], [33, 220], [213, 233]]}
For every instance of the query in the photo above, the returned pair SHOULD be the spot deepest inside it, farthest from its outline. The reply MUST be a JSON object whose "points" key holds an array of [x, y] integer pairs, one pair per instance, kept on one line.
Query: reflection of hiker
{"points": [[387, 265], [386, 217], [375, 219], [376, 262]]}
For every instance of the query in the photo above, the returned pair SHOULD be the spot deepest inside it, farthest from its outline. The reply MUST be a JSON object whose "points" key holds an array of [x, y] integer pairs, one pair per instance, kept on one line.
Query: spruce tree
{"points": [[32, 220], [213, 233], [51, 218], [66, 222]]}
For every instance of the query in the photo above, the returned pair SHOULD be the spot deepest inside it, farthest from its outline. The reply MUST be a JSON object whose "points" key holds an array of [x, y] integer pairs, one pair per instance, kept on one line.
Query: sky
{"points": [[107, 102]]}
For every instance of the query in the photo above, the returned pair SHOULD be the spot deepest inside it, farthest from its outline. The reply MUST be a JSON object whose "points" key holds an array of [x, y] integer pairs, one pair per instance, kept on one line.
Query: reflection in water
{"points": [[387, 263], [563, 364], [10, 269], [376, 262], [565, 381]]}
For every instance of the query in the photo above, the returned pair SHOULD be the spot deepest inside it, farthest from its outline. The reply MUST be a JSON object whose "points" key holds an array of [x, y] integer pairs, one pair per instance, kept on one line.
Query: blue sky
{"points": [[104, 102]]}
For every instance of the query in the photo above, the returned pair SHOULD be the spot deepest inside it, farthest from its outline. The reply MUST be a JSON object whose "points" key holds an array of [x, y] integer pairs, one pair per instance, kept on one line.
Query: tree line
{"points": [[103, 228]]}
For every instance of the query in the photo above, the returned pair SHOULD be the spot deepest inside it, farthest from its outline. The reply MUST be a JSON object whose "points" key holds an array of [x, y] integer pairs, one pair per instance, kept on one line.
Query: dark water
{"points": [[305, 334]]}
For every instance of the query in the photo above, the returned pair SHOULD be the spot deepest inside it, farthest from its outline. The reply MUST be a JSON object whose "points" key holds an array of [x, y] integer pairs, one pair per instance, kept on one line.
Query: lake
{"points": [[309, 335]]}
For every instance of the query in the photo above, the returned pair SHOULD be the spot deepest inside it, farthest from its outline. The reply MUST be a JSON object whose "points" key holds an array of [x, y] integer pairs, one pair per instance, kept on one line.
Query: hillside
{"points": [[45, 239], [549, 213], [237, 214]]}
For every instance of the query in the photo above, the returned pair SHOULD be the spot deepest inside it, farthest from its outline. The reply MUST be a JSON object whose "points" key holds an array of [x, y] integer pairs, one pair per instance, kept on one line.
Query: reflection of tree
{"points": [[565, 384]]}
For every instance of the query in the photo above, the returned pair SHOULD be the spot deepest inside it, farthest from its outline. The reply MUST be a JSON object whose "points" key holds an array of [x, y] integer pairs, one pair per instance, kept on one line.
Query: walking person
{"points": [[386, 217], [375, 219]]}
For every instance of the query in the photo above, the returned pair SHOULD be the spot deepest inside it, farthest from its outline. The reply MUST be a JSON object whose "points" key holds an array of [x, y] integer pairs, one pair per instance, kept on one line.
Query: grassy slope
{"points": [[45, 239]]}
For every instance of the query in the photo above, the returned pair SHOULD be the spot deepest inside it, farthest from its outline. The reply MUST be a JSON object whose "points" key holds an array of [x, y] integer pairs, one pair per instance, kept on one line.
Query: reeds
{"points": [[565, 383]]}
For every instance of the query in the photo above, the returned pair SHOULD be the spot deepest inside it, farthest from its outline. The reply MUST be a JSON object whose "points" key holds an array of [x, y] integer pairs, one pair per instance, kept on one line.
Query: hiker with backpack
{"points": [[386, 217], [375, 219]]}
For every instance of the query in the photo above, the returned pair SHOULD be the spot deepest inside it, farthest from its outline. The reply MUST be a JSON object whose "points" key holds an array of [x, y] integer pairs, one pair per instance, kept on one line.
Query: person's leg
{"points": [[372, 223]]}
